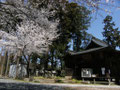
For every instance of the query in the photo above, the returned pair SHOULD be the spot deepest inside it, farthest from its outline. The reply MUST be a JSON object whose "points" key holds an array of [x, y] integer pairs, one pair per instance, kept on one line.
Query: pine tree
{"points": [[111, 35], [78, 20], [74, 19]]}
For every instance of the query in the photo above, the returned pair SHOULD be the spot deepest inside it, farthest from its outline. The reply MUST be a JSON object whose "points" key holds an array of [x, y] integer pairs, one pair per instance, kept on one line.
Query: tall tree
{"points": [[111, 35], [33, 34], [73, 20], [78, 20]]}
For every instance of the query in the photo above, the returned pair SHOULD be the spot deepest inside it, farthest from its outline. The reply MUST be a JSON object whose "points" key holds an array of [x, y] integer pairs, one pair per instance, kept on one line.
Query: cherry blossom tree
{"points": [[29, 38], [29, 30], [12, 12], [30, 20]]}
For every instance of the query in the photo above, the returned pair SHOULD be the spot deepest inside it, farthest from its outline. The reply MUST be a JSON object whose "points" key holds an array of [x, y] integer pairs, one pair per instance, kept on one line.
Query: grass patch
{"points": [[59, 81], [36, 81], [58, 77], [21, 80], [40, 77], [76, 81]]}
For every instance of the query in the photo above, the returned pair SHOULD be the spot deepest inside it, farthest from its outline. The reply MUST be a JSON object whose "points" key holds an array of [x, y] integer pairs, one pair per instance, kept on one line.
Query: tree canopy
{"points": [[111, 34]]}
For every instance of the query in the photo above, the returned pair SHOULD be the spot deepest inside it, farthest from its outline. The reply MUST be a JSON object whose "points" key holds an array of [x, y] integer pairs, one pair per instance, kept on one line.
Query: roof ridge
{"points": [[99, 42]]}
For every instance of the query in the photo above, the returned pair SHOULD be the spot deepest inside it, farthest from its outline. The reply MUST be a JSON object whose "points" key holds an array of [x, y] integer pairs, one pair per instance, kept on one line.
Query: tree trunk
{"points": [[17, 65], [0, 61], [3, 64], [28, 67], [52, 60], [62, 64], [46, 62], [55, 64], [8, 63], [2, 67], [28, 70]]}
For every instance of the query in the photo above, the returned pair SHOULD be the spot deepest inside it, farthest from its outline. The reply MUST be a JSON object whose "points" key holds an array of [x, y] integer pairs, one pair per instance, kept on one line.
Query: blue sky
{"points": [[96, 27]]}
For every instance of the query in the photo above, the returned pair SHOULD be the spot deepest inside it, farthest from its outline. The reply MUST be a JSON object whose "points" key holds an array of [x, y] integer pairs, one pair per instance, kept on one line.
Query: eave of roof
{"points": [[86, 51]]}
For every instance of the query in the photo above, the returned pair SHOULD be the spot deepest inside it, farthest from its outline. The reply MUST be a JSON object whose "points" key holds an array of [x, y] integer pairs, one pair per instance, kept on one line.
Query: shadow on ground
{"points": [[31, 86], [24, 86]]}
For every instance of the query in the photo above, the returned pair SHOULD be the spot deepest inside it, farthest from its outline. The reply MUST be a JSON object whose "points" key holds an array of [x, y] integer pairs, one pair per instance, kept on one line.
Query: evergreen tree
{"points": [[78, 20], [111, 35], [74, 19]]}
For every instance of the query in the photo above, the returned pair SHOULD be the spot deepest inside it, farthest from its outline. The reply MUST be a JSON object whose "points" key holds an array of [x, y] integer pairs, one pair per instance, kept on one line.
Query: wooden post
{"points": [[83, 80], [109, 81], [94, 80]]}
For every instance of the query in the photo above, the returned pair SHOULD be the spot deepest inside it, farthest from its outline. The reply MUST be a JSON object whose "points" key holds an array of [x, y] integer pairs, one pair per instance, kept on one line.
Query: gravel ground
{"points": [[7, 84]]}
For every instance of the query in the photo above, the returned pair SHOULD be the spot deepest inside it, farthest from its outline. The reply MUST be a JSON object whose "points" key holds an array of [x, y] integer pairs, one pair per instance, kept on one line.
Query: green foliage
{"points": [[111, 35], [76, 21]]}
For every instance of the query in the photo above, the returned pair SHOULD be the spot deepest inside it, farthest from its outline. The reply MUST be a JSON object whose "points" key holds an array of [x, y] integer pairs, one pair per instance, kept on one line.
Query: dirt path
{"points": [[7, 84]]}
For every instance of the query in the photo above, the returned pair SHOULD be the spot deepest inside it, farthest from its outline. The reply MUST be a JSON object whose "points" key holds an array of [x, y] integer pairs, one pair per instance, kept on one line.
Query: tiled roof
{"points": [[97, 41]]}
